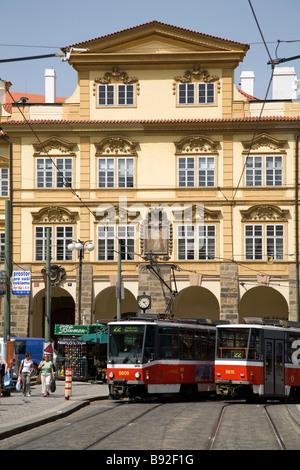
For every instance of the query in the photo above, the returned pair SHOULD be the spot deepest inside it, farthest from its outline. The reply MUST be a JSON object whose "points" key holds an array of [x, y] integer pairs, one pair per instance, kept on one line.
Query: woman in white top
{"points": [[26, 369]]}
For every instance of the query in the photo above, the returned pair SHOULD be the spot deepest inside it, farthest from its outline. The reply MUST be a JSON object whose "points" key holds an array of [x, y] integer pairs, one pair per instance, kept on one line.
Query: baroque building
{"points": [[158, 154]]}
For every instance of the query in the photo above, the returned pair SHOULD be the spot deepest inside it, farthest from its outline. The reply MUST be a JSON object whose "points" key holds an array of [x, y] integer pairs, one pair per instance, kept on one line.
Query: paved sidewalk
{"points": [[18, 413]]}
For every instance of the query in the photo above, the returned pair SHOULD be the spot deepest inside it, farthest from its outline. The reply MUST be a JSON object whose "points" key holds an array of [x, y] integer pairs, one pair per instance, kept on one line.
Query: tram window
{"points": [[254, 345], [232, 343], [168, 343], [149, 342], [211, 345], [186, 344], [201, 344]]}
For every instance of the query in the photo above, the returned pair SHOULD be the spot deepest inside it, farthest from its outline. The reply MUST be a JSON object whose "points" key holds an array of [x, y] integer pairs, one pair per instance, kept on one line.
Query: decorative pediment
{"points": [[264, 140], [195, 213], [4, 161], [116, 77], [54, 215], [264, 213], [116, 145], [54, 143], [197, 75], [196, 144]]}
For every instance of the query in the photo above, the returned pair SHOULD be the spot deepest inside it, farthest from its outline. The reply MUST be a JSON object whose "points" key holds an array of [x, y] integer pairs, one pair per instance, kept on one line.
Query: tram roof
{"points": [[264, 323]]}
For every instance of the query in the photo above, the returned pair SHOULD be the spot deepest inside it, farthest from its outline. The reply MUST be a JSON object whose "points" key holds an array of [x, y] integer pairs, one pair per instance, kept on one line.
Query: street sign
{"points": [[21, 283]]}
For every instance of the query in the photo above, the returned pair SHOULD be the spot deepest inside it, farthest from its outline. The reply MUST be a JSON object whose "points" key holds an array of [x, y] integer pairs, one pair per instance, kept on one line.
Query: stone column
{"points": [[292, 293], [151, 285], [86, 293], [229, 297]]}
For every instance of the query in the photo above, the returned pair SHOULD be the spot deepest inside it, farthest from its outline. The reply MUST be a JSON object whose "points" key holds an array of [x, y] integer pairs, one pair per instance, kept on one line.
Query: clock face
{"points": [[144, 302]]}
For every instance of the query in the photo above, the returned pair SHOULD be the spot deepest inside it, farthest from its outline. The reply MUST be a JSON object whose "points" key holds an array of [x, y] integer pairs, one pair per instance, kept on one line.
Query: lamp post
{"points": [[81, 247]]}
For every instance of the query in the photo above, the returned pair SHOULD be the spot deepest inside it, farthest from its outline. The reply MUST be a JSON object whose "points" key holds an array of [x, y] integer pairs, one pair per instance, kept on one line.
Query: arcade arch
{"points": [[105, 305], [196, 302], [62, 311], [263, 302]]}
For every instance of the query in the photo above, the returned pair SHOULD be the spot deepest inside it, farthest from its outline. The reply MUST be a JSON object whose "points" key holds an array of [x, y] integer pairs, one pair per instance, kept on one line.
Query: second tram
{"points": [[148, 356], [260, 358]]}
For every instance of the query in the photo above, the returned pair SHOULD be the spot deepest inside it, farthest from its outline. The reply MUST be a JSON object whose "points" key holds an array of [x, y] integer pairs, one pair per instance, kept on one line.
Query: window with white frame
{"points": [[54, 173], [4, 182], [2, 247], [196, 242], [186, 171], [107, 241], [188, 167], [116, 95], [196, 93], [263, 241], [116, 172], [264, 170], [63, 235]]}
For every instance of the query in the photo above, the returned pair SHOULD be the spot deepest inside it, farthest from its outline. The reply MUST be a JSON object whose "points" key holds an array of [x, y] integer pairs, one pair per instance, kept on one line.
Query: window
{"points": [[126, 237], [264, 170], [262, 241], [187, 170], [206, 171], [186, 93], [196, 93], [206, 93], [4, 185], [2, 246], [63, 236], [116, 95], [204, 248], [107, 242], [40, 243], [54, 173], [107, 172], [206, 242]]}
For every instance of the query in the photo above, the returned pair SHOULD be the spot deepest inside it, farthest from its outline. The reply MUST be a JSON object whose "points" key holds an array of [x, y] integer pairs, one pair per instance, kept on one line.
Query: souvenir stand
{"points": [[82, 348]]}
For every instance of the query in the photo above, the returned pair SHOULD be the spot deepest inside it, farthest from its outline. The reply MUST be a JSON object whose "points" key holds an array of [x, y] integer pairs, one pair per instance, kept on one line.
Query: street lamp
{"points": [[81, 247]]}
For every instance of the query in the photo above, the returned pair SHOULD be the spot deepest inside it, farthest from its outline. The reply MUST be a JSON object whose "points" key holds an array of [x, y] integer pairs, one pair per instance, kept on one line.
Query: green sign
{"points": [[72, 330]]}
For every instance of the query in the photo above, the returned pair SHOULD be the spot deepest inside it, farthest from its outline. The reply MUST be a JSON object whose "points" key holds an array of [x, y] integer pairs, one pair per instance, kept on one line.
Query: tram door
{"points": [[274, 367]]}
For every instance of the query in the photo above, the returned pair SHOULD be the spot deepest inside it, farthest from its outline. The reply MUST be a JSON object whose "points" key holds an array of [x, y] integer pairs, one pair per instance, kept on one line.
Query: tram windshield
{"points": [[125, 343], [238, 343]]}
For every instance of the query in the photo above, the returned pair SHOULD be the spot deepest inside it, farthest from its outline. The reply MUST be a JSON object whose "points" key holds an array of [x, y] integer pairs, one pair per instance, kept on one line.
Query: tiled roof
{"points": [[154, 22], [32, 98], [157, 121]]}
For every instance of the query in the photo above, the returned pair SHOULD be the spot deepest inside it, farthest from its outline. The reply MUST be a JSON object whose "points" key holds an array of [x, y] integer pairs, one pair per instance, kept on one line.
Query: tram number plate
{"points": [[230, 371]]}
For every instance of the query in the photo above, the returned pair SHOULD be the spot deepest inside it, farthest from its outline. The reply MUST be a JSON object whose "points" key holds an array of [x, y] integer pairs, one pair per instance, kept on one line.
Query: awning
{"points": [[101, 338]]}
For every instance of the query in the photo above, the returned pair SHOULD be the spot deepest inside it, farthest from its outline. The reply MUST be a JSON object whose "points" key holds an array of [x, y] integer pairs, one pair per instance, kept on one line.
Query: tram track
{"points": [[220, 422]]}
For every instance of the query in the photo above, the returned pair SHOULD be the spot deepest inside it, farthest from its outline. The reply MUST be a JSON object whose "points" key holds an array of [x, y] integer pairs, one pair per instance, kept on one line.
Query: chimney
{"points": [[285, 84], [50, 86], [247, 82]]}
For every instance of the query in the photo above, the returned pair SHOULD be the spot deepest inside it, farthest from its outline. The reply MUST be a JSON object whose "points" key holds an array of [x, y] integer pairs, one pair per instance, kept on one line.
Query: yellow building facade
{"points": [[159, 153]]}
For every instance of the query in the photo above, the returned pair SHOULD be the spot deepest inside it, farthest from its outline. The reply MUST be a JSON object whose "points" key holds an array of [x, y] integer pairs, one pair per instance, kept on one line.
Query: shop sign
{"points": [[71, 330]]}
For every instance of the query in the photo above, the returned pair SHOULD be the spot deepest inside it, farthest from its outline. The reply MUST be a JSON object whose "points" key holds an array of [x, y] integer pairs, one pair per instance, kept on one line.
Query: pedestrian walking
{"points": [[3, 369], [47, 372], [25, 370]]}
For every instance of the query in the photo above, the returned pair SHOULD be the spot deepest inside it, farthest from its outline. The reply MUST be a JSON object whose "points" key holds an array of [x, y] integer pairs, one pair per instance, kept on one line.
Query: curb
{"points": [[52, 416]]}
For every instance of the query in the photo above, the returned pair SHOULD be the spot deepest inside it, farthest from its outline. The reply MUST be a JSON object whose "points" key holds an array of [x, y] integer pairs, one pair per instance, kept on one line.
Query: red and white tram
{"points": [[148, 356], [259, 358]]}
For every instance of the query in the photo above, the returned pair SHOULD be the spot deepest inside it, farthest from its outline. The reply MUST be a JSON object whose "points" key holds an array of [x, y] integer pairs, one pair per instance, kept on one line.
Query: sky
{"points": [[38, 27]]}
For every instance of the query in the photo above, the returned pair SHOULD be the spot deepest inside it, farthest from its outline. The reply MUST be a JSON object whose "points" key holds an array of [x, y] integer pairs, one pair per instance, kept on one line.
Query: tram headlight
{"points": [[137, 375], [111, 375]]}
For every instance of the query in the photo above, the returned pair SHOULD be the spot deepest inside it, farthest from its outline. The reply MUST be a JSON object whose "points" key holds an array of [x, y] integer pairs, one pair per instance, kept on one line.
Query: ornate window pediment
{"points": [[116, 77], [196, 144], [264, 140], [54, 215], [264, 213], [196, 75], [116, 145], [54, 143]]}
